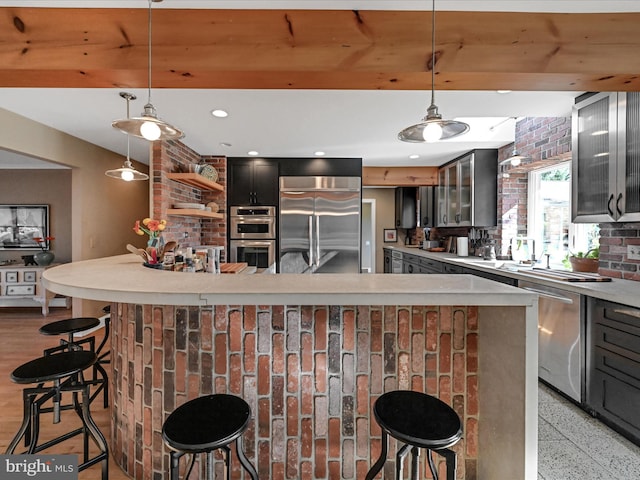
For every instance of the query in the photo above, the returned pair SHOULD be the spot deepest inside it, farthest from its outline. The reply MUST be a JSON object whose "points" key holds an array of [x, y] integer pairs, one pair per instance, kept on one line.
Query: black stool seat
{"points": [[69, 326], [53, 367], [205, 424], [419, 421]]}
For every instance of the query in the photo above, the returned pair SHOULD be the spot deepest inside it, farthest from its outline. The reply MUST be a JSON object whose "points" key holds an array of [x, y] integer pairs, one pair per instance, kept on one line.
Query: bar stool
{"points": [[205, 424], [70, 327], [419, 421], [64, 373]]}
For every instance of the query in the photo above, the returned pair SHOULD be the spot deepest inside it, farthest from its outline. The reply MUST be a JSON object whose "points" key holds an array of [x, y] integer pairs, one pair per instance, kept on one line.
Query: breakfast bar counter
{"points": [[310, 354]]}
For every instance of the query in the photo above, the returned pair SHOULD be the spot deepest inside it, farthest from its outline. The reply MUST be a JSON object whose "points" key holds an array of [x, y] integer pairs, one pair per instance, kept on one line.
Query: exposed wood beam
{"points": [[399, 176], [306, 49]]}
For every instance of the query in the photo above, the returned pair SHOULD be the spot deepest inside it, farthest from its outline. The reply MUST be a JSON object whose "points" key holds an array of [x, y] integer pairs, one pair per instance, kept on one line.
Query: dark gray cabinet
{"points": [[606, 159], [252, 181], [613, 365], [388, 261], [426, 203], [406, 207], [410, 263], [468, 190]]}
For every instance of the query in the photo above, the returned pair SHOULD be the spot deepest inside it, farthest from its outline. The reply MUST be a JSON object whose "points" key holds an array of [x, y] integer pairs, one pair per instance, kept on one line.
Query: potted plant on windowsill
{"points": [[584, 262]]}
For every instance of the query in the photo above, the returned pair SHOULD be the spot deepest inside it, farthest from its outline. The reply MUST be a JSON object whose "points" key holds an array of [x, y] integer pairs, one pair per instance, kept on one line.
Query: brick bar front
{"points": [[310, 374]]}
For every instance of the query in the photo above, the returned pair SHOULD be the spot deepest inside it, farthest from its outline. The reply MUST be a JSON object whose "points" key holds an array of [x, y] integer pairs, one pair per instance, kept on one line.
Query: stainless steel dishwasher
{"points": [[561, 356]]}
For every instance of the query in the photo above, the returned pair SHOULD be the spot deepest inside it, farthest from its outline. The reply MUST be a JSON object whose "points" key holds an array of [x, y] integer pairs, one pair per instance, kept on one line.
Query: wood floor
{"points": [[19, 343]]}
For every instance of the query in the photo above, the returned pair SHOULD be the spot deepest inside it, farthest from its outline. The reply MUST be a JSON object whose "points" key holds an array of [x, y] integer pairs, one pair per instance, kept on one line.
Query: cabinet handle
{"points": [[426, 221], [457, 218], [444, 219], [410, 269], [609, 205], [618, 204]]}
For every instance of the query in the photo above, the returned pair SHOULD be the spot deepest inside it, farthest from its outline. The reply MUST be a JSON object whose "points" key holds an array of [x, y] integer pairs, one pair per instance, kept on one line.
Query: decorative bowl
{"points": [[587, 265]]}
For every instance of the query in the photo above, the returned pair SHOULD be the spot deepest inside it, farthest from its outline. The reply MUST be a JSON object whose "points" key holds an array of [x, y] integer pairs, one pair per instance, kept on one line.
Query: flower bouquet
{"points": [[155, 245]]}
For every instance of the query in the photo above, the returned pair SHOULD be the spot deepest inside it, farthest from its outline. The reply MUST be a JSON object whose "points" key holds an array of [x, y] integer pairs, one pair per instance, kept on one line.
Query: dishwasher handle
{"points": [[551, 296]]}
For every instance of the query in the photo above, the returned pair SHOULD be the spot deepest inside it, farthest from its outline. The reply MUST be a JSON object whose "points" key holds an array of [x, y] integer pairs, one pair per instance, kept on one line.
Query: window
{"points": [[549, 216]]}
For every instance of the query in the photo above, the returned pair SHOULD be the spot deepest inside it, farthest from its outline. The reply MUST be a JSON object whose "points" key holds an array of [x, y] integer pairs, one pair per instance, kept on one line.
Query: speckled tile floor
{"points": [[572, 445]]}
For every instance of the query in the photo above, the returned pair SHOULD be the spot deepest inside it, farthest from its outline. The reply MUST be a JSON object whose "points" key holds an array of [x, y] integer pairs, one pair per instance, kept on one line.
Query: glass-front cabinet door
{"points": [[465, 175], [452, 194], [629, 143], [606, 158], [594, 126], [442, 197]]}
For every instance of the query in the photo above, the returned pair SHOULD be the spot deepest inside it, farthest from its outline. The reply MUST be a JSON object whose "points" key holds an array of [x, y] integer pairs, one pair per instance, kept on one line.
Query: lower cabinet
{"points": [[20, 286], [613, 365], [410, 263], [388, 261]]}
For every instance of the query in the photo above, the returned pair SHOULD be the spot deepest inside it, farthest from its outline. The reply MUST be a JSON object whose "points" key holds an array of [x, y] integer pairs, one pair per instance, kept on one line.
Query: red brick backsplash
{"points": [[614, 239], [311, 375]]}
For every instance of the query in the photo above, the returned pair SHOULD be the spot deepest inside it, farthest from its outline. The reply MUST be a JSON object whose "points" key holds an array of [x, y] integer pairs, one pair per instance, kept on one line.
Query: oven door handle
{"points": [[310, 241]]}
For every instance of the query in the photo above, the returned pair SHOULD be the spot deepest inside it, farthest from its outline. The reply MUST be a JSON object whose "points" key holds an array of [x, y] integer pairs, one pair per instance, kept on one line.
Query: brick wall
{"points": [[310, 374], [176, 157], [547, 141], [614, 238]]}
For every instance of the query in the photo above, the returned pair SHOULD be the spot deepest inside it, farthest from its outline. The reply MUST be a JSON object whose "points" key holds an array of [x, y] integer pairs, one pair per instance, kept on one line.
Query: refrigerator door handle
{"points": [[317, 241], [310, 241]]}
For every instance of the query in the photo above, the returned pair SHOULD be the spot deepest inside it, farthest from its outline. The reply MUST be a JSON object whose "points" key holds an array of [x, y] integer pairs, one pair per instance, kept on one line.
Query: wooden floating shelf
{"points": [[195, 180], [193, 212]]}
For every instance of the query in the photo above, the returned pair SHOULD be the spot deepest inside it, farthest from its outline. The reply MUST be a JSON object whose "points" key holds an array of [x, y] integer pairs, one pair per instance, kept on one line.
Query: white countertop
{"points": [[124, 279], [626, 292]]}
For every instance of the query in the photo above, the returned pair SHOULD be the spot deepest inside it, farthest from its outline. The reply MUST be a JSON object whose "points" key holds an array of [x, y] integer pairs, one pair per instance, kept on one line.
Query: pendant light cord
{"points": [[433, 51], [149, 54]]}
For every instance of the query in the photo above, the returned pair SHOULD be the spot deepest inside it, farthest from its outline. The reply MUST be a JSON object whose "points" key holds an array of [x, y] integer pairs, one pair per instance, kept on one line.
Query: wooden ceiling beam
{"points": [[306, 49]]}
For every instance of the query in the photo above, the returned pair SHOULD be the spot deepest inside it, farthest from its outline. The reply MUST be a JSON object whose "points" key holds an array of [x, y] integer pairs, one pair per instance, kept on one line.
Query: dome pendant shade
{"points": [[148, 126], [127, 173], [433, 128]]}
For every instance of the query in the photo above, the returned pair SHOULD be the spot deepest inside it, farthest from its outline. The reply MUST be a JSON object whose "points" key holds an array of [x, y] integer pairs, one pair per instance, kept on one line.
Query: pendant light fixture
{"points": [[148, 125], [433, 127], [127, 172], [515, 159]]}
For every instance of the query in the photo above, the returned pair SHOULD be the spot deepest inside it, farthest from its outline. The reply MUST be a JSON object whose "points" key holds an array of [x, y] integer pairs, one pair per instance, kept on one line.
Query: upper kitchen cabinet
{"points": [[606, 158], [468, 190], [406, 207], [427, 206], [252, 181]]}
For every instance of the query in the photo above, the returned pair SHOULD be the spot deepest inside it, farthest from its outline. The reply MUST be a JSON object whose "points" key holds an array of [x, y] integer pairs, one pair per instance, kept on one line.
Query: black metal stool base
{"points": [[72, 326], [64, 370], [420, 421], [206, 424]]}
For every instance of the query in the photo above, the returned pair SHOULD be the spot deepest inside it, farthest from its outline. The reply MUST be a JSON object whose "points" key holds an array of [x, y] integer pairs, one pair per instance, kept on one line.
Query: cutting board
{"points": [[569, 276], [233, 267]]}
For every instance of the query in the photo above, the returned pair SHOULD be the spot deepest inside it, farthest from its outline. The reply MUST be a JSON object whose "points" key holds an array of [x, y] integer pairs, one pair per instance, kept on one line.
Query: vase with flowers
{"points": [[152, 228], [44, 257]]}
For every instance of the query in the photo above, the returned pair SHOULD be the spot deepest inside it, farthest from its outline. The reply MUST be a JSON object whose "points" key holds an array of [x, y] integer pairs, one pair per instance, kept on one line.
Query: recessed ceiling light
{"points": [[219, 113], [225, 144], [319, 154], [503, 91], [252, 152], [414, 156]]}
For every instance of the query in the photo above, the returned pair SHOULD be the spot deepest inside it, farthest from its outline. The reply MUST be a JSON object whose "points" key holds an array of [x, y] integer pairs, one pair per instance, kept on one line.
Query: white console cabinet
{"points": [[20, 286]]}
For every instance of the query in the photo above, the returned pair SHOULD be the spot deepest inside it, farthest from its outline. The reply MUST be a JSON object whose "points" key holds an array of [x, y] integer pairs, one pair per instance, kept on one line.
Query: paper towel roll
{"points": [[463, 246]]}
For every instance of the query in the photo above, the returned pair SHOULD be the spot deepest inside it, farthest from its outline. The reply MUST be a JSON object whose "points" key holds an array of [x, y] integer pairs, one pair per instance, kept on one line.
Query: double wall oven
{"points": [[252, 236]]}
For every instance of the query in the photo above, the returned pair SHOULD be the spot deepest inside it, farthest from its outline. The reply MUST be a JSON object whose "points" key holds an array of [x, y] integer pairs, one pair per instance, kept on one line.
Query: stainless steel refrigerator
{"points": [[319, 225]]}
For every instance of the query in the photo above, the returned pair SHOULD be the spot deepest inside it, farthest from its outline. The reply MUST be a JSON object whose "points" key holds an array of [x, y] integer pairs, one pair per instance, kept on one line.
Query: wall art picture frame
{"points": [[390, 235], [21, 224]]}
